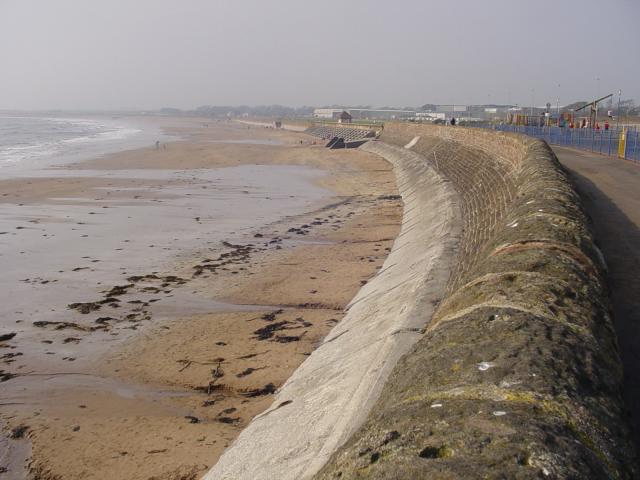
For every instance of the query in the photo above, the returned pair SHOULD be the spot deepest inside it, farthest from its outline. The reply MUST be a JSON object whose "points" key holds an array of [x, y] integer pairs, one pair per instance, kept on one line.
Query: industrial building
{"points": [[328, 113], [364, 113], [430, 116], [381, 114]]}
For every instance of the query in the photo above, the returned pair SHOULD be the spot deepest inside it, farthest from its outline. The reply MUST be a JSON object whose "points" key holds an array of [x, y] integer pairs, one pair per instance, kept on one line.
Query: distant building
{"points": [[381, 114], [452, 108], [364, 113], [328, 113], [345, 117], [430, 116]]}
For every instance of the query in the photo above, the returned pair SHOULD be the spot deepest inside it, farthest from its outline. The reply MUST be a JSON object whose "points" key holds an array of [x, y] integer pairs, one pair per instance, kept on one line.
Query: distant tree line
{"points": [[255, 111], [627, 108], [220, 111]]}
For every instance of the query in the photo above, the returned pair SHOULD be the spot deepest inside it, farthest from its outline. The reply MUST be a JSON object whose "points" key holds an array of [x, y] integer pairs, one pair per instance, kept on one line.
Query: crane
{"points": [[593, 115]]}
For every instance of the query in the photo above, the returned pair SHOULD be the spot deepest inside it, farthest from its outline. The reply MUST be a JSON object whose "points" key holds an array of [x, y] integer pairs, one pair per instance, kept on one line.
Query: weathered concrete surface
{"points": [[517, 374], [610, 192], [330, 394]]}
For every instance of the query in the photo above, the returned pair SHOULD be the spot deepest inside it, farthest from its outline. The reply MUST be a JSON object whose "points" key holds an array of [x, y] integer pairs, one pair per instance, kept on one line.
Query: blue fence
{"points": [[599, 141]]}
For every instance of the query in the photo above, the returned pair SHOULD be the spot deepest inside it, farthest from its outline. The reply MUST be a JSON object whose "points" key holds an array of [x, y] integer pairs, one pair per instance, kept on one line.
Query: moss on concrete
{"points": [[517, 374]]}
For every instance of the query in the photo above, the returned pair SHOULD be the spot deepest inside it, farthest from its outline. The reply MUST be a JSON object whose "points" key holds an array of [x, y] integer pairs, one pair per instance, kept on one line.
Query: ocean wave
{"points": [[118, 134], [30, 138]]}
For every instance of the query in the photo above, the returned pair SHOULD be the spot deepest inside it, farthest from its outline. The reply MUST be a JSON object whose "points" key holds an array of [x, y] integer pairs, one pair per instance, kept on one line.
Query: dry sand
{"points": [[165, 400]]}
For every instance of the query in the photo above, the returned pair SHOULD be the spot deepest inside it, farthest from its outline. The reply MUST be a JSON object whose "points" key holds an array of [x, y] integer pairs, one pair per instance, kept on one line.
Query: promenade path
{"points": [[610, 189]]}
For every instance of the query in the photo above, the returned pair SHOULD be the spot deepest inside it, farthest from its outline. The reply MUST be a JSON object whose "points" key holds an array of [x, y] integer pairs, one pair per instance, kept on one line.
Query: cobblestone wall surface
{"points": [[517, 374]]}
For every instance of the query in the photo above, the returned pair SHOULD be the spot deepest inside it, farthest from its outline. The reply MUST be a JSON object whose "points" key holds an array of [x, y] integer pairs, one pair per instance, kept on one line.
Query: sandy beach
{"points": [[171, 291]]}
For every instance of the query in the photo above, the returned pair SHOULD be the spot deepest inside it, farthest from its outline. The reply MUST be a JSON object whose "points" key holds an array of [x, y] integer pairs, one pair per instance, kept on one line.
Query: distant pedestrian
{"points": [[453, 121], [157, 144], [606, 125]]}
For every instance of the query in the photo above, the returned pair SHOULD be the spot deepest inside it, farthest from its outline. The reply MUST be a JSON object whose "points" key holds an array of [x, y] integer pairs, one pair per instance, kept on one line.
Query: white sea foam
{"points": [[35, 141]]}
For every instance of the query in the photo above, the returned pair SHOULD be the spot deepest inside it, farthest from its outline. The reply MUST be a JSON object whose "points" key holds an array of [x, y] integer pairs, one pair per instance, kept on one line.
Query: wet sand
{"points": [[155, 377]]}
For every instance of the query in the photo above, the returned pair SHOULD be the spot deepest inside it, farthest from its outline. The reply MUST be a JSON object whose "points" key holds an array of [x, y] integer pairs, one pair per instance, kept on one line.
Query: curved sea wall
{"points": [[483, 348], [329, 396], [517, 374]]}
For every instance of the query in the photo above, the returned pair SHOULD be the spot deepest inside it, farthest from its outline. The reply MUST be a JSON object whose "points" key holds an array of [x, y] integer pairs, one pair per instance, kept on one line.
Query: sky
{"points": [[148, 54]]}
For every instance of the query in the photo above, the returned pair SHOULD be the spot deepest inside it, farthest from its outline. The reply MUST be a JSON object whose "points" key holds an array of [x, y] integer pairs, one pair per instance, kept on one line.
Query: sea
{"points": [[30, 142]]}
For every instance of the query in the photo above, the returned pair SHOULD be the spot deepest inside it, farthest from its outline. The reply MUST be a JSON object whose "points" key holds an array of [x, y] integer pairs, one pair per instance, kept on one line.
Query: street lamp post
{"points": [[533, 91], [618, 116], [595, 122]]}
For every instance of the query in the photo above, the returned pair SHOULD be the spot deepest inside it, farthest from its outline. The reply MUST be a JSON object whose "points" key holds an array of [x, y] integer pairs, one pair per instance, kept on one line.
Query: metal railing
{"points": [[606, 142]]}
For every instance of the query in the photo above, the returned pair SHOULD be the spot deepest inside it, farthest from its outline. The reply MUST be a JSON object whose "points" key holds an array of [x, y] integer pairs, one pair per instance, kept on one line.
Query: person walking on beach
{"points": [[157, 144]]}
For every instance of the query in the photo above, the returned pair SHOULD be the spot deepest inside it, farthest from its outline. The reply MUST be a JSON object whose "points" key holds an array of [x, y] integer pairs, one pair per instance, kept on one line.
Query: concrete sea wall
{"points": [[329, 396], [517, 374], [483, 348]]}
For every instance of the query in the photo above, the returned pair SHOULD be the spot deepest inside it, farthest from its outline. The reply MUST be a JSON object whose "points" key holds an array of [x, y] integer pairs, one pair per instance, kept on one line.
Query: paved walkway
{"points": [[610, 189]]}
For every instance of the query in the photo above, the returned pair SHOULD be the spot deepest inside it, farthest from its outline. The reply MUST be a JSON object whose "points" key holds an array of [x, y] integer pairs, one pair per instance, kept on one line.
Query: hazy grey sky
{"points": [[111, 54]]}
